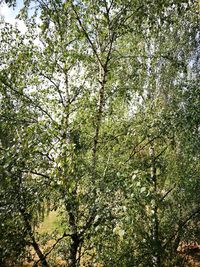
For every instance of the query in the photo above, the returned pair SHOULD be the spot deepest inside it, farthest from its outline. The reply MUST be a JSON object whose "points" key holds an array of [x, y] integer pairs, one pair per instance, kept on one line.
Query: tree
{"points": [[96, 90]]}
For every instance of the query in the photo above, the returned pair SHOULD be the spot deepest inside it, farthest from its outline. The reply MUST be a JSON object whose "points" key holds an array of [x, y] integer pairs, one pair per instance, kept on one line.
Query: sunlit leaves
{"points": [[86, 94]]}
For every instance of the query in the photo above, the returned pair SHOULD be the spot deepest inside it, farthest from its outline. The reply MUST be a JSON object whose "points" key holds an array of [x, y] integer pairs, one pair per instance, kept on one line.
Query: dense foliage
{"points": [[100, 121]]}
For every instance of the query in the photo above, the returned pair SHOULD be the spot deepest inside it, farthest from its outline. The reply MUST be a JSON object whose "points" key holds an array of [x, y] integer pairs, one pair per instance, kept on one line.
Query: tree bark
{"points": [[75, 242], [33, 240], [157, 249]]}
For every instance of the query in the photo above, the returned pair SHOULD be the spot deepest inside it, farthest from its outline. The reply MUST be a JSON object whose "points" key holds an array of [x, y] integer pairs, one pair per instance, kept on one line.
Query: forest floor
{"points": [[192, 261], [50, 224]]}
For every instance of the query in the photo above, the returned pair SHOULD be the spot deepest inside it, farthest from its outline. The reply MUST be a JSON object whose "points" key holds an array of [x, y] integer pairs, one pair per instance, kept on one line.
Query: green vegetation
{"points": [[50, 223], [100, 129]]}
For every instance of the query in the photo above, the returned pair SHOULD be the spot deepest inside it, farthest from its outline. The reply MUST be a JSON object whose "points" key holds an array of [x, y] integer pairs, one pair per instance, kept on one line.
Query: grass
{"points": [[50, 223]]}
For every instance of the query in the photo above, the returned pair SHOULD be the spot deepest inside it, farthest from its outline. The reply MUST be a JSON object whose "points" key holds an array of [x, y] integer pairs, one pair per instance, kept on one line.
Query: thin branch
{"points": [[167, 193], [27, 98], [125, 18], [54, 245], [45, 155], [36, 173], [56, 86], [86, 34], [134, 151], [33, 120], [79, 90], [157, 156], [181, 225], [41, 2]]}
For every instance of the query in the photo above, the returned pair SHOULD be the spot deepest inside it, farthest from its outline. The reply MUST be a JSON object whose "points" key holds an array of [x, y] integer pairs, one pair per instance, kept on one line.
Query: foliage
{"points": [[100, 122]]}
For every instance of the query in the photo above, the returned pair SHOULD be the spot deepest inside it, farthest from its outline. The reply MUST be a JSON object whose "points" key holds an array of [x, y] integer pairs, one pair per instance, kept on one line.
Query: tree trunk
{"points": [[39, 253], [157, 249], [74, 250], [34, 243]]}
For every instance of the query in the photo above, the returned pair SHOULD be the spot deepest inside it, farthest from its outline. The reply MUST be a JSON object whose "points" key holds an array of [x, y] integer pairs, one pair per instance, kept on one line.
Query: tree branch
{"points": [[167, 193], [57, 88], [53, 246], [181, 225], [86, 34], [27, 98], [36, 173]]}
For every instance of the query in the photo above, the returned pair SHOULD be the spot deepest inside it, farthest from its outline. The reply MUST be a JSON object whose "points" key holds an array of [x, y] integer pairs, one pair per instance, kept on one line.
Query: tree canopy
{"points": [[100, 122]]}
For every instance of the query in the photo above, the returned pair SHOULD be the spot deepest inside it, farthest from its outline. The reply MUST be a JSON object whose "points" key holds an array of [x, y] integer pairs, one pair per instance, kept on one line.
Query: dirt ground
{"points": [[193, 261]]}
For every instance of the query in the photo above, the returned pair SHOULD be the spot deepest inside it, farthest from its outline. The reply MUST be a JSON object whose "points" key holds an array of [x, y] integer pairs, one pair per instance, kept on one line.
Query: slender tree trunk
{"points": [[157, 250], [39, 253], [34, 242], [71, 207], [102, 80], [75, 239]]}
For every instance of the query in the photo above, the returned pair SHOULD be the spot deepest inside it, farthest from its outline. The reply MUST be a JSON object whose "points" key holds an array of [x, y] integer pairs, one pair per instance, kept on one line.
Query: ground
{"points": [[192, 254]]}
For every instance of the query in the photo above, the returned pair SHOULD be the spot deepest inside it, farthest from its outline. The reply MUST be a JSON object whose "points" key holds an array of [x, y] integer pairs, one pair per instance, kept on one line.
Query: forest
{"points": [[100, 130]]}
